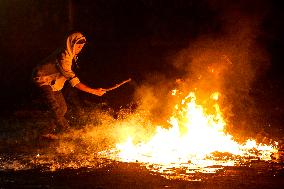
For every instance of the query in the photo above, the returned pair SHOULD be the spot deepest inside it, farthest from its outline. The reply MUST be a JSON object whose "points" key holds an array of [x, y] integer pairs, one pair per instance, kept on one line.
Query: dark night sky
{"points": [[127, 38]]}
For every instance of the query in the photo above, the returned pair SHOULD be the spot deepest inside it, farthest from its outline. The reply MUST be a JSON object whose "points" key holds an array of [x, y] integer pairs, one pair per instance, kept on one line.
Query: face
{"points": [[78, 48]]}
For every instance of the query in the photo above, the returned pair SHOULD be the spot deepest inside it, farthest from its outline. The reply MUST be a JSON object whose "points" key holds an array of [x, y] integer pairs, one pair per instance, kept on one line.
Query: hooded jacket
{"points": [[56, 69]]}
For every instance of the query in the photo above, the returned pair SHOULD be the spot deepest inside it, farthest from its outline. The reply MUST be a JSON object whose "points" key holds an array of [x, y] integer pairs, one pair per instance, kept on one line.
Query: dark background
{"points": [[126, 38]]}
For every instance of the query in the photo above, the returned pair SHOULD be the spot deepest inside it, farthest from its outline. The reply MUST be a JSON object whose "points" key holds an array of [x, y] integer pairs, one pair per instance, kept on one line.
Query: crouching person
{"points": [[51, 75]]}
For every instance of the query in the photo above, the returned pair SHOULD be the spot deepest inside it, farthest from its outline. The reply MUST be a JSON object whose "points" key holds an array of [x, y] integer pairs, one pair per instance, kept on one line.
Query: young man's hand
{"points": [[85, 88], [99, 91]]}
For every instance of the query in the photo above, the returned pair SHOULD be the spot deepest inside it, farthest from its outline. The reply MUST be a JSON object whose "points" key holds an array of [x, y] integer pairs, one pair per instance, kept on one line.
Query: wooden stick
{"points": [[118, 85]]}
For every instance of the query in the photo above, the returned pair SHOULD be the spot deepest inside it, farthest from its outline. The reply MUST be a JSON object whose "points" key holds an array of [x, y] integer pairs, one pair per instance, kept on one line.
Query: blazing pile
{"points": [[195, 139]]}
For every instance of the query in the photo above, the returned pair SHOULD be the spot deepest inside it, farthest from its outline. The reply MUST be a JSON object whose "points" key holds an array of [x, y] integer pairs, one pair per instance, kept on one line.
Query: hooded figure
{"points": [[51, 75], [56, 68]]}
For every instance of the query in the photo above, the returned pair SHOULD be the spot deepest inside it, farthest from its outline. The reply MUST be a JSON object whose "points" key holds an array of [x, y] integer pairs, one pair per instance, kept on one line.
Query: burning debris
{"points": [[195, 142]]}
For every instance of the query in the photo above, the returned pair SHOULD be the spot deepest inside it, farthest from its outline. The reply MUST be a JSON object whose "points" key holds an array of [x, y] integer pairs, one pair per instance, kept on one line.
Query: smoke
{"points": [[228, 61], [102, 131], [154, 98]]}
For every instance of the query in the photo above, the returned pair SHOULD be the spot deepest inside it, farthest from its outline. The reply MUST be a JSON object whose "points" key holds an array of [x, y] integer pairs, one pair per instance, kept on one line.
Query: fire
{"points": [[174, 92], [194, 136]]}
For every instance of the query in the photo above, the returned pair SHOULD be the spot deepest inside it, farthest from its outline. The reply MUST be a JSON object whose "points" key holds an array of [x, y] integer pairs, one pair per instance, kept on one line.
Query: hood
{"points": [[71, 41]]}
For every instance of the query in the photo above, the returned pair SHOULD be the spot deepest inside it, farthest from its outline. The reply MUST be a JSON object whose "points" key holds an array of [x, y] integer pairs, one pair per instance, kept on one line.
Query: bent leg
{"points": [[57, 106]]}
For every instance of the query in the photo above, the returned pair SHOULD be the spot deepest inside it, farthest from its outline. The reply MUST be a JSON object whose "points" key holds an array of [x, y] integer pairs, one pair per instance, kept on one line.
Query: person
{"points": [[51, 75]]}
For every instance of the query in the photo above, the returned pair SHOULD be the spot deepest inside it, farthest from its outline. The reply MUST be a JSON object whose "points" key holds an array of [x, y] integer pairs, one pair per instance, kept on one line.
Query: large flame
{"points": [[193, 138]]}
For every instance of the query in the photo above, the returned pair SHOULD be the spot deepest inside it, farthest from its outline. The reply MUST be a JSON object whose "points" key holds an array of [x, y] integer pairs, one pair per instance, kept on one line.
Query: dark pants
{"points": [[58, 108]]}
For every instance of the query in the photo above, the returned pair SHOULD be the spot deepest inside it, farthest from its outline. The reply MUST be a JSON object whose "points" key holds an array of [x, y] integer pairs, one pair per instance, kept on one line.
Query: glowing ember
{"points": [[194, 140], [174, 92]]}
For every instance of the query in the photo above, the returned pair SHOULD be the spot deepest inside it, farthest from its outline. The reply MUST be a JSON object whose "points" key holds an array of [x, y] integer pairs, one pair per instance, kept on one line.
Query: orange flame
{"points": [[193, 137]]}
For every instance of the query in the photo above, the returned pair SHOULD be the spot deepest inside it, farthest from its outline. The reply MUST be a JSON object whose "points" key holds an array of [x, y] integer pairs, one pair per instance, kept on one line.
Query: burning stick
{"points": [[118, 85]]}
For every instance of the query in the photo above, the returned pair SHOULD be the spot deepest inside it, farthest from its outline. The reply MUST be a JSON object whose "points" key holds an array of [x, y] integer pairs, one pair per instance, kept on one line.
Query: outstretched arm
{"points": [[85, 88]]}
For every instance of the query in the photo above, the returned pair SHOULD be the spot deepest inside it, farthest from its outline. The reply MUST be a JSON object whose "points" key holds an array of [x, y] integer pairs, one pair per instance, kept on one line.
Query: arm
{"points": [[64, 66], [85, 88]]}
